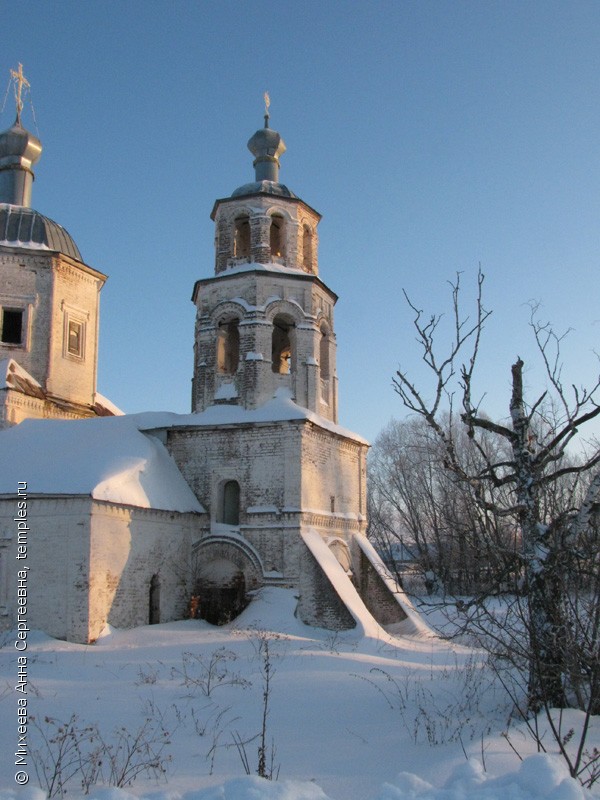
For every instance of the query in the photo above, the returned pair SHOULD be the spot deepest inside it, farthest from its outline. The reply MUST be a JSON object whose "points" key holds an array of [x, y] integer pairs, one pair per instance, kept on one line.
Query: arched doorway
{"points": [[154, 601], [221, 591]]}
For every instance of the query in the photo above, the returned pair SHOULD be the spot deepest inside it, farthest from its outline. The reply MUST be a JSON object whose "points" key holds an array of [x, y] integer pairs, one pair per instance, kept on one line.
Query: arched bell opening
{"points": [[282, 351], [241, 237], [277, 236], [228, 347]]}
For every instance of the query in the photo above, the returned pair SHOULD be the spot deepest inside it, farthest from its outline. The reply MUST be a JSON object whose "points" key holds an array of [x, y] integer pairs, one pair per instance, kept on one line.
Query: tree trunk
{"points": [[542, 587]]}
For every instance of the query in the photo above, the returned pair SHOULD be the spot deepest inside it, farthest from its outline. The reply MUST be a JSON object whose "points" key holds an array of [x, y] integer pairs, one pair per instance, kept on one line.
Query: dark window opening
{"points": [[12, 326]]}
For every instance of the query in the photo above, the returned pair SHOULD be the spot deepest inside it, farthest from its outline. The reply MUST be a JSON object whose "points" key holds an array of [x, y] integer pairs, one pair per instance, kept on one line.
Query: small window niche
{"points": [[228, 347], [13, 327], [241, 238], [324, 353], [74, 338], [282, 346]]}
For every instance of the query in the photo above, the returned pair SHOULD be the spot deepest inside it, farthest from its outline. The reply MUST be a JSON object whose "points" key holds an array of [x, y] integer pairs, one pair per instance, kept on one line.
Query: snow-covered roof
{"points": [[106, 458], [280, 408], [13, 376], [116, 459]]}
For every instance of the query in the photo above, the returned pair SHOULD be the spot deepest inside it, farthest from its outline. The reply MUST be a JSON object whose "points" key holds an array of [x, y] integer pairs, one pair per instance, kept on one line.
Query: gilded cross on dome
{"points": [[19, 81]]}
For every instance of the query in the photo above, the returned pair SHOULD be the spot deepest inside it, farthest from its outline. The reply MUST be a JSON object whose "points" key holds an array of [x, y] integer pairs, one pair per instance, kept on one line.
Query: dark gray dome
{"points": [[263, 187], [19, 147], [266, 143], [23, 227]]}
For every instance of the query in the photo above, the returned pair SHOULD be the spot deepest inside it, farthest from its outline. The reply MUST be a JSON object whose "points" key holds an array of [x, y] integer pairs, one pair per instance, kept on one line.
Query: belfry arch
{"points": [[242, 245], [277, 236], [283, 355], [228, 346]]}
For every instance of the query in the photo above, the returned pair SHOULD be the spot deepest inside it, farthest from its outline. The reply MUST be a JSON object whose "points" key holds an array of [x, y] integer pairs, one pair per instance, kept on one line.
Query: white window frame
{"points": [[79, 317]]}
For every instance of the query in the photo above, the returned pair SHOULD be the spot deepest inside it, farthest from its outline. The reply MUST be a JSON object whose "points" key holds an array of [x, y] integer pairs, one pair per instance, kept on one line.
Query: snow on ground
{"points": [[351, 717]]}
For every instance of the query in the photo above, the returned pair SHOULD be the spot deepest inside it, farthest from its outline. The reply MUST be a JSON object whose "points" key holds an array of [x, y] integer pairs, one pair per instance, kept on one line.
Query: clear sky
{"points": [[432, 136]]}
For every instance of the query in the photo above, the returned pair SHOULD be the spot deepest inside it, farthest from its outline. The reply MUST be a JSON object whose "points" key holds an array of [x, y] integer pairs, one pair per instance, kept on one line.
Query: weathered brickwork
{"points": [[376, 594], [53, 291], [92, 563], [318, 602], [297, 244], [128, 546], [259, 301], [58, 560], [293, 475]]}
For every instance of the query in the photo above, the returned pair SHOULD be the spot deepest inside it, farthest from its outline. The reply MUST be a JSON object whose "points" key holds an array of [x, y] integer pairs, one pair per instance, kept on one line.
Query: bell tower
{"points": [[265, 320]]}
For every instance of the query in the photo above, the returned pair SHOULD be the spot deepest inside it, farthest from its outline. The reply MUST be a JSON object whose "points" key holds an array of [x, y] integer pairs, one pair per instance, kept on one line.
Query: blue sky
{"points": [[432, 136]]}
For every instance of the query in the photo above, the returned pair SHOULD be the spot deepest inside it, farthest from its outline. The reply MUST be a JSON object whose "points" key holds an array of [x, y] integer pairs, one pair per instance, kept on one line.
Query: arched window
{"points": [[241, 238], [307, 248], [282, 352], [230, 503], [277, 238], [324, 353], [228, 347]]}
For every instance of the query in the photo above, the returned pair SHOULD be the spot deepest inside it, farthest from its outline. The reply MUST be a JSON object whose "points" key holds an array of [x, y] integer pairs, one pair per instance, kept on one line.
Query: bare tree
{"points": [[458, 546], [511, 479]]}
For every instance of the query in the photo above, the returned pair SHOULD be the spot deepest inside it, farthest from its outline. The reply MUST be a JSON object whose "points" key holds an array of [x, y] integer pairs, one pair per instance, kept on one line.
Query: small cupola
{"points": [[266, 146], [19, 151]]}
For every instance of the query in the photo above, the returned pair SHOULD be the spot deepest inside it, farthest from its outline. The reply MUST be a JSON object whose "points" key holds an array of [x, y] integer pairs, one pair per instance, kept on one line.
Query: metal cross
{"points": [[20, 80]]}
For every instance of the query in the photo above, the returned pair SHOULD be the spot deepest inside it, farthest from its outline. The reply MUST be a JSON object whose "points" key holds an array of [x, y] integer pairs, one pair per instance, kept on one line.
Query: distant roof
{"points": [[23, 227]]}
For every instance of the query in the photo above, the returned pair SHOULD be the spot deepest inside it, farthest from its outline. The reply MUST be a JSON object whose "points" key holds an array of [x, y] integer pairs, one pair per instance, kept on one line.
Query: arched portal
{"points": [[221, 592]]}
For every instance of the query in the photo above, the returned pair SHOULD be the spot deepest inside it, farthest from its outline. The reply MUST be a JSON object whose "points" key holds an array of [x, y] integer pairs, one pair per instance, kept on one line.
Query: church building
{"points": [[145, 518]]}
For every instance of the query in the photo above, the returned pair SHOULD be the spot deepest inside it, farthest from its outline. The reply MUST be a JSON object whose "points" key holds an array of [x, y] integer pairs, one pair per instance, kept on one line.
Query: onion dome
{"points": [[266, 145], [19, 151]]}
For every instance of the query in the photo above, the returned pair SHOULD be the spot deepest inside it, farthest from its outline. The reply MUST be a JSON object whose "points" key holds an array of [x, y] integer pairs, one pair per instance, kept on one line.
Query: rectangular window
{"points": [[12, 325], [75, 338]]}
